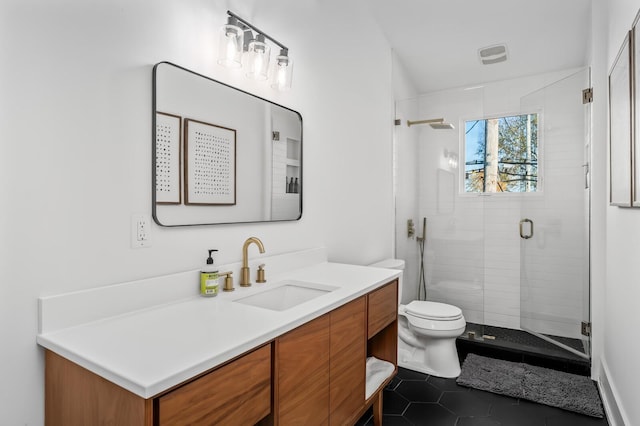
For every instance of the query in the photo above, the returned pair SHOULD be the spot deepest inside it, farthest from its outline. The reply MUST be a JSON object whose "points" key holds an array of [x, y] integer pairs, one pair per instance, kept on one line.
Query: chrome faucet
{"points": [[244, 271]]}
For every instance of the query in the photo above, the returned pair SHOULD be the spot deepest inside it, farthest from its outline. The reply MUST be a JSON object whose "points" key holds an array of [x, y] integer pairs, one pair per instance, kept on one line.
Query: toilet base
{"points": [[439, 358], [421, 368]]}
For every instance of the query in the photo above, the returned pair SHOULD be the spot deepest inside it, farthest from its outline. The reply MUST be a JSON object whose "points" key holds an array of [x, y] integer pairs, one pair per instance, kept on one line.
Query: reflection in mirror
{"points": [[221, 155]]}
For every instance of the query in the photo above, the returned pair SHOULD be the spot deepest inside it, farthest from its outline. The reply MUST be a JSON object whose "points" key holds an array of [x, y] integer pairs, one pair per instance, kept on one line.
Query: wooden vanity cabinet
{"points": [[312, 375], [321, 366], [75, 396], [321, 369], [238, 392], [382, 323], [348, 362], [302, 374], [382, 335], [382, 308]]}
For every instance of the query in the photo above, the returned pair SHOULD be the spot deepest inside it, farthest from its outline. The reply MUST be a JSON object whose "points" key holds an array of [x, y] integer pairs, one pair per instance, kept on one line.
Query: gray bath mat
{"points": [[555, 388]]}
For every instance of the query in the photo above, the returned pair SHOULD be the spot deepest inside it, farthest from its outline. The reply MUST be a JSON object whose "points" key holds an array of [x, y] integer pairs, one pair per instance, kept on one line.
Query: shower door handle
{"points": [[586, 175], [522, 234]]}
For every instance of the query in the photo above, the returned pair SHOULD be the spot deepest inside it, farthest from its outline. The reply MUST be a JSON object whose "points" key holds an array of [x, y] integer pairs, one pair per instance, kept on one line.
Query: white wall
{"points": [[620, 351], [76, 146]]}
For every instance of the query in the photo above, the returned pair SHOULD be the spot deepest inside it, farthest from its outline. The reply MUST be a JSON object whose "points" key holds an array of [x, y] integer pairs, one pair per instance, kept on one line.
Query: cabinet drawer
{"points": [[237, 393], [382, 308]]}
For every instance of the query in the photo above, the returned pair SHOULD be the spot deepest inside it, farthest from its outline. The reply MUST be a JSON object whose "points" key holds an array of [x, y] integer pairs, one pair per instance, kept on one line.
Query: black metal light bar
{"points": [[259, 31]]}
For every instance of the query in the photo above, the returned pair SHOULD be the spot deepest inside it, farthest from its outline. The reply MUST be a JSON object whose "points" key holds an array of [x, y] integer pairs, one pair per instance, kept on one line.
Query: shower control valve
{"points": [[411, 228]]}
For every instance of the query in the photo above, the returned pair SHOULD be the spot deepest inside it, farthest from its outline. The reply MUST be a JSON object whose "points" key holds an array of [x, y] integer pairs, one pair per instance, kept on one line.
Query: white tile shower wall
{"points": [[279, 167], [477, 244], [284, 206], [502, 262]]}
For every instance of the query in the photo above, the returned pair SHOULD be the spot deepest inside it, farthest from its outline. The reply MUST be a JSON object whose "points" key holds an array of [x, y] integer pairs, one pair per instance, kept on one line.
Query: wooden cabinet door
{"points": [[348, 362], [383, 307], [382, 313], [303, 374]]}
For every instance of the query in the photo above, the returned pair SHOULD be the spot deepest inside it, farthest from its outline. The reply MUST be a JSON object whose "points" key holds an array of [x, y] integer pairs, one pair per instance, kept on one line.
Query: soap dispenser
{"points": [[209, 278]]}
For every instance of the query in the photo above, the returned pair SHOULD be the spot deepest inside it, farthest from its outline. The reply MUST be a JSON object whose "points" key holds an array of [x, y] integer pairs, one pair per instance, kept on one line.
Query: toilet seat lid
{"points": [[433, 310]]}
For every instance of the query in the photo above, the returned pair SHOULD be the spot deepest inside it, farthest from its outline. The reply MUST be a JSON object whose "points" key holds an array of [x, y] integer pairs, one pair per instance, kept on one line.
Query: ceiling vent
{"points": [[493, 54]]}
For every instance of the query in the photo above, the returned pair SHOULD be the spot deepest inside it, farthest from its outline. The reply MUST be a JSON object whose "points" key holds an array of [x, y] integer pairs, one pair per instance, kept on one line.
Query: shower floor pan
{"points": [[520, 346]]}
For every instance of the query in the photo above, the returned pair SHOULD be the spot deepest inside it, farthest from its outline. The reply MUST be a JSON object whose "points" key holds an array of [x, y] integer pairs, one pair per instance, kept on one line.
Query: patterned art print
{"points": [[168, 134], [210, 163]]}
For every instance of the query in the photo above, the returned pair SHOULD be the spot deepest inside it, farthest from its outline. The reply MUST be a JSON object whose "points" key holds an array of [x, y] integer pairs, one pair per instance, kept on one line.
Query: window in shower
{"points": [[501, 154]]}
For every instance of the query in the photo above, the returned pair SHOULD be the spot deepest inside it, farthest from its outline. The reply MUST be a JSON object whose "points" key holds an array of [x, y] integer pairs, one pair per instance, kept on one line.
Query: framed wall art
{"points": [[168, 134], [209, 164], [620, 126], [635, 77]]}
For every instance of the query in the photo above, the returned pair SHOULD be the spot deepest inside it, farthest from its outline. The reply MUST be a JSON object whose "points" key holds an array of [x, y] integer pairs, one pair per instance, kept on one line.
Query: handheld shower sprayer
{"points": [[424, 230], [422, 283]]}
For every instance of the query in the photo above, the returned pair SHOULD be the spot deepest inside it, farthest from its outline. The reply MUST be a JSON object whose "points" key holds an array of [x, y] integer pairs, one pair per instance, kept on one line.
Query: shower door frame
{"points": [[586, 201]]}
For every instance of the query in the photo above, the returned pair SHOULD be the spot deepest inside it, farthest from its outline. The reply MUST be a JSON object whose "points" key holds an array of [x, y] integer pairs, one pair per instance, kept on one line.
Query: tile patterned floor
{"points": [[418, 399]]}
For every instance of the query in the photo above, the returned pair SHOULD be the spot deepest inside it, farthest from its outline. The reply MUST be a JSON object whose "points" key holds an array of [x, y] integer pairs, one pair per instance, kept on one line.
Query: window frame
{"points": [[463, 159]]}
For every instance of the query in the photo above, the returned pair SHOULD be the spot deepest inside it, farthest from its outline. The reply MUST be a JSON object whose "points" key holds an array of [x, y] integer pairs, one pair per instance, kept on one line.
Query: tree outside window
{"points": [[501, 154]]}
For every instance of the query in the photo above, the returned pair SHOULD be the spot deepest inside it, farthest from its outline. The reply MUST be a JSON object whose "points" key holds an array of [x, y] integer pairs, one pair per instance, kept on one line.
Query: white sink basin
{"points": [[286, 294]]}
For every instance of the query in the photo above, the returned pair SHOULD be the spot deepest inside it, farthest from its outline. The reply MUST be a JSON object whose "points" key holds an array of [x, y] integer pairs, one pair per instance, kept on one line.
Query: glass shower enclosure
{"points": [[554, 251], [509, 258]]}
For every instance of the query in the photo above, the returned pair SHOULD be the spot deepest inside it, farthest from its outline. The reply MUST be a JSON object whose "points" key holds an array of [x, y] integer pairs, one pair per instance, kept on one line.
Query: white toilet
{"points": [[427, 332]]}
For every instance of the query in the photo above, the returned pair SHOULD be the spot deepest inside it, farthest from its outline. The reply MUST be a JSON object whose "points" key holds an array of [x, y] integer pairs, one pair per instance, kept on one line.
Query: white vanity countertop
{"points": [[150, 350]]}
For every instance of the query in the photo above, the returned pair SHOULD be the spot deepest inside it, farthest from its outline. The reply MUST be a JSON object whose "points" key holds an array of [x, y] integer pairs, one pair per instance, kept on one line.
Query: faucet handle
{"points": [[228, 281], [261, 278]]}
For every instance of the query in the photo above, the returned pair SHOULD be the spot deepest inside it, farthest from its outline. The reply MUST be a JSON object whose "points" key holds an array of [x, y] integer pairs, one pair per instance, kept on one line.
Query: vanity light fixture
{"points": [[282, 71], [240, 48], [231, 44], [257, 58]]}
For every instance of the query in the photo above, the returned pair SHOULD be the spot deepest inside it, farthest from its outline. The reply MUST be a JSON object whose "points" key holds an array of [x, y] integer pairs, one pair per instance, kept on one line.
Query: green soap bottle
{"points": [[209, 285]]}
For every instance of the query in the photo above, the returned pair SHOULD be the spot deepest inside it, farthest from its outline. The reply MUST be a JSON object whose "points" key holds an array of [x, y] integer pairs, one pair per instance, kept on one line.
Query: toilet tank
{"points": [[397, 264]]}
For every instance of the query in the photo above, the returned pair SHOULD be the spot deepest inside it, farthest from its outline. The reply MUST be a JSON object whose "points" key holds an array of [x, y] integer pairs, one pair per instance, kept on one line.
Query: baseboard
{"points": [[608, 393]]}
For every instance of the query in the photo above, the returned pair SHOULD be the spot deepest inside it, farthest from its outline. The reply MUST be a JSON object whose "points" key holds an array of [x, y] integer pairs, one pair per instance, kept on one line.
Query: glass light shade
{"points": [[282, 72], [231, 46], [257, 61]]}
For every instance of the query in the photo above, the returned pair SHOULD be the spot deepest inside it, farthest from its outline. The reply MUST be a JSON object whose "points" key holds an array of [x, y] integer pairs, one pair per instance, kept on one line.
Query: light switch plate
{"points": [[140, 231]]}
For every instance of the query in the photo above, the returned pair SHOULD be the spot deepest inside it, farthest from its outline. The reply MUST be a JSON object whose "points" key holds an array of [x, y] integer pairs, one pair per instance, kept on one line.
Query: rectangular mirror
{"points": [[221, 155]]}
